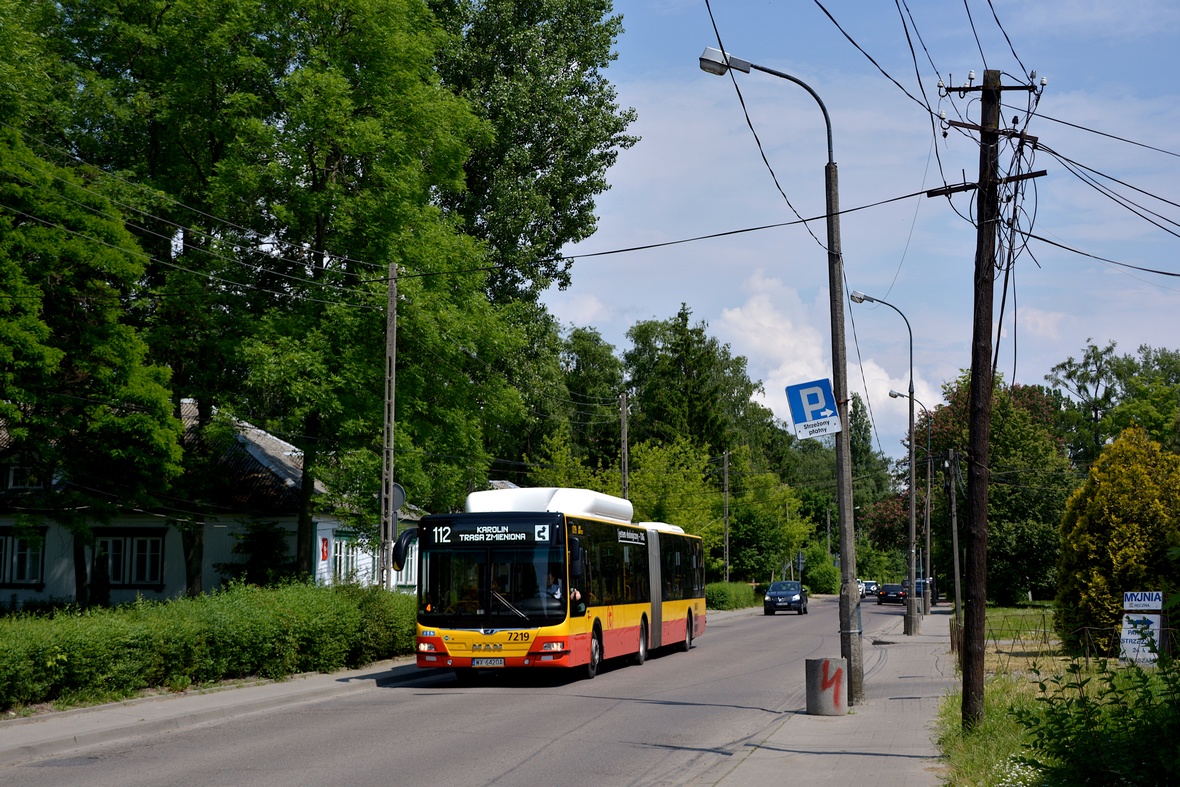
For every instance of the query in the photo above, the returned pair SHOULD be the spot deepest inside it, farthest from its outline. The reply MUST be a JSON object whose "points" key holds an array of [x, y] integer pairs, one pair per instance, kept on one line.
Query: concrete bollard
{"points": [[827, 687]]}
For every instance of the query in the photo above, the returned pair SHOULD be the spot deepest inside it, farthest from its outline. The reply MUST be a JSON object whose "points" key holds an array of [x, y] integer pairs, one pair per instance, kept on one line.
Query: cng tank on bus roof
{"points": [[577, 502], [661, 526]]}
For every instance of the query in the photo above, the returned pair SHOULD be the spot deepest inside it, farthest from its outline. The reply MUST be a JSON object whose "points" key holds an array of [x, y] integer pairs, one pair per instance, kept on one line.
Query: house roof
{"points": [[262, 473], [259, 474]]}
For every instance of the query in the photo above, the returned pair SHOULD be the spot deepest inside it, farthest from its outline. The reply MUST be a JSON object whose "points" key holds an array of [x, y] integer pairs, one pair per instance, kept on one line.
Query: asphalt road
{"points": [[678, 715]]}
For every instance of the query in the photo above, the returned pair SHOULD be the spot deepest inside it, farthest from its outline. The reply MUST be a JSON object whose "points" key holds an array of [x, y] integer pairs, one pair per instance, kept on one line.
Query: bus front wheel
{"points": [[688, 634]]}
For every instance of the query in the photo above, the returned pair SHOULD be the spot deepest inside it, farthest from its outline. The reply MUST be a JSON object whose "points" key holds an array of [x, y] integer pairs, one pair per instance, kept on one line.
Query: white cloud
{"points": [[778, 334], [1099, 19], [1041, 323], [581, 309]]}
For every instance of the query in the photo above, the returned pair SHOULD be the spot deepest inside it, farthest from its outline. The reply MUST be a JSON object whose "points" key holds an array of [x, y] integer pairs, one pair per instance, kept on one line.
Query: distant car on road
{"points": [[891, 594], [785, 596], [860, 587], [871, 588], [905, 583]]}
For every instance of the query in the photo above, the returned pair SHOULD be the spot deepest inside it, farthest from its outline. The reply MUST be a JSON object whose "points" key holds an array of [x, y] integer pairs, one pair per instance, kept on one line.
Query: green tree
{"points": [[1030, 479], [82, 407], [1091, 384], [669, 483], [685, 384], [324, 134], [870, 469], [558, 465], [266, 555], [533, 69], [766, 528], [1149, 395], [1116, 536], [593, 377], [819, 570]]}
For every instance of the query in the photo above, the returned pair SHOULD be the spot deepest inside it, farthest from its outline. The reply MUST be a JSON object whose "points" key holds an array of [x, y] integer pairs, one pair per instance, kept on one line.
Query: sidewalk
{"points": [[887, 741], [884, 741]]}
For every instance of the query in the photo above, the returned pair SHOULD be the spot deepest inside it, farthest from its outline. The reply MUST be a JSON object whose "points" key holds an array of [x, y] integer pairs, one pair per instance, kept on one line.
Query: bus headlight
{"points": [[426, 647], [553, 646]]}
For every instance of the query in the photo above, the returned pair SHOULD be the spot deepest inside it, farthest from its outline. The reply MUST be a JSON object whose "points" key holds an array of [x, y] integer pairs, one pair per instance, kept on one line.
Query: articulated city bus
{"points": [[551, 577]]}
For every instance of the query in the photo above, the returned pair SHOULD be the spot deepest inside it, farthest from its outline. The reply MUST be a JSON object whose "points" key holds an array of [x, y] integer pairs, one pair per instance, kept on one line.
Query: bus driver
{"points": [[553, 588]]}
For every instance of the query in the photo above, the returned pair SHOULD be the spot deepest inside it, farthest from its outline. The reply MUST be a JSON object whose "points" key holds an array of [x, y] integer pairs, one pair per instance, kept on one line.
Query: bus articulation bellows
{"points": [[551, 578]]}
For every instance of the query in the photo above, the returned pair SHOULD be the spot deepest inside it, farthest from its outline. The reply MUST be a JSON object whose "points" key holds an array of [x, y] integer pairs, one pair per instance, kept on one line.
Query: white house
{"points": [[143, 553]]}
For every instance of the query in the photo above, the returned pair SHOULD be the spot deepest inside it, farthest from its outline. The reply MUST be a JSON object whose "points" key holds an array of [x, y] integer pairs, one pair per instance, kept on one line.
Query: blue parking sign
{"points": [[813, 409]]}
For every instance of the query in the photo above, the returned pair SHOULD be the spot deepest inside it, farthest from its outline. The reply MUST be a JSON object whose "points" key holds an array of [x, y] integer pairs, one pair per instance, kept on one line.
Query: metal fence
{"points": [[1018, 648]]}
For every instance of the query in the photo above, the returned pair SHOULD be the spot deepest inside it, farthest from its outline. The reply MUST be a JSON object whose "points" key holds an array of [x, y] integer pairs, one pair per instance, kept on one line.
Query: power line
{"points": [[750, 124]]}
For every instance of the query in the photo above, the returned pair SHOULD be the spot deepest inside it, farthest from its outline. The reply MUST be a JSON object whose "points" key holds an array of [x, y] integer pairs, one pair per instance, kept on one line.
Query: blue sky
{"points": [[1111, 68]]}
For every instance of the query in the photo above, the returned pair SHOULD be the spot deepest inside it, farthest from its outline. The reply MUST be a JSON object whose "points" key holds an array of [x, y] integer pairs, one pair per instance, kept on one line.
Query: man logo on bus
{"points": [[542, 532]]}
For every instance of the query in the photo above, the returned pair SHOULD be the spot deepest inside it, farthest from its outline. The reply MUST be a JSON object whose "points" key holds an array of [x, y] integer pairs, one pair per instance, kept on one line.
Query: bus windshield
{"points": [[479, 583]]}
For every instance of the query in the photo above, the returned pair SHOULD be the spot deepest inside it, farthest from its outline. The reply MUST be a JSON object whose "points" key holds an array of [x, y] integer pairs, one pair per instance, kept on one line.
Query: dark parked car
{"points": [[871, 588], [905, 583], [894, 594], [785, 596]]}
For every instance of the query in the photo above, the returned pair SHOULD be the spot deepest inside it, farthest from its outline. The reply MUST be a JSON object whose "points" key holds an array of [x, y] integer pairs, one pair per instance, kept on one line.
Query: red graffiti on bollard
{"points": [[832, 682]]}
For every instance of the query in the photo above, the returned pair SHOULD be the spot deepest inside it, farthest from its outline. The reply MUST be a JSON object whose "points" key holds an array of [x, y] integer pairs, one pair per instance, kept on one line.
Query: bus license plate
{"points": [[487, 662]]}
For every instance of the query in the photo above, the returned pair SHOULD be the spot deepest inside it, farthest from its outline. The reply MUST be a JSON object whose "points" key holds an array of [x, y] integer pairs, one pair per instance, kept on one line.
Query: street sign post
{"points": [[1141, 635]]}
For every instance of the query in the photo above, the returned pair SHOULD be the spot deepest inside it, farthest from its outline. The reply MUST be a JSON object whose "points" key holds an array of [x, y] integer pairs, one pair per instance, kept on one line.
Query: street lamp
{"points": [[714, 61], [912, 621], [928, 596]]}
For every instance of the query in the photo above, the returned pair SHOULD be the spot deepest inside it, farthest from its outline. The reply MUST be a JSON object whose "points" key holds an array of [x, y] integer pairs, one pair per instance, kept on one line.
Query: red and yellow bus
{"points": [[549, 578]]}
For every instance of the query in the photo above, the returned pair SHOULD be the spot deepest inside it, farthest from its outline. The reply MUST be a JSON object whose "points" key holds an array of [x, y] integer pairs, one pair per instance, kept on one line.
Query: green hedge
{"points": [[730, 595], [103, 654]]}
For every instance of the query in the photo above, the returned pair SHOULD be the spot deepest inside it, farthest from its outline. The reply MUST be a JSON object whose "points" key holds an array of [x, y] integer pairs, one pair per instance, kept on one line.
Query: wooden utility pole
{"points": [[725, 459], [980, 403], [623, 454], [982, 376], [388, 505]]}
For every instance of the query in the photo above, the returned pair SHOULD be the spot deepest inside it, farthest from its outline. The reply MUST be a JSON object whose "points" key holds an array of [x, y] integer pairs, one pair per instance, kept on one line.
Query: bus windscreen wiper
{"points": [[508, 604]]}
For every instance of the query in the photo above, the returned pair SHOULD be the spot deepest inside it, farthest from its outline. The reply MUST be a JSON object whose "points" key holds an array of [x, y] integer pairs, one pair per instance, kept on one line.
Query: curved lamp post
{"points": [[714, 61], [928, 596], [912, 620]]}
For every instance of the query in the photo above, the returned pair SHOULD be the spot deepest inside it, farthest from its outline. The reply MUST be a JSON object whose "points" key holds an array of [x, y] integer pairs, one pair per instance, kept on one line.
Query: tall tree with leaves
{"points": [[766, 526], [1091, 387], [1031, 479], [322, 131], [870, 468], [684, 383], [593, 380], [533, 69], [83, 409], [1149, 394]]}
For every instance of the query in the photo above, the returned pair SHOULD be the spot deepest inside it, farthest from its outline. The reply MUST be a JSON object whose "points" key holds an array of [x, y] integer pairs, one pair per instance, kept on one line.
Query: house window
{"points": [[147, 560], [347, 560], [22, 559], [132, 557], [110, 552], [22, 477]]}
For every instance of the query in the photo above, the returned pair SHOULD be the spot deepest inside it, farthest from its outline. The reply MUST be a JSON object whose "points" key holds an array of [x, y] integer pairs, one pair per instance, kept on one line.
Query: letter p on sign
{"points": [[813, 402]]}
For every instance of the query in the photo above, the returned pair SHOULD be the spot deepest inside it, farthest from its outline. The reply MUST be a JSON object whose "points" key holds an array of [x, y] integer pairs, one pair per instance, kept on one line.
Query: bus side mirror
{"points": [[402, 546], [576, 568]]}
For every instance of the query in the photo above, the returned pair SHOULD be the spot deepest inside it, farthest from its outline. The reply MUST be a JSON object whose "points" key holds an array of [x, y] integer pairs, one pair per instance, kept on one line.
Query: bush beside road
{"points": [[73, 657]]}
